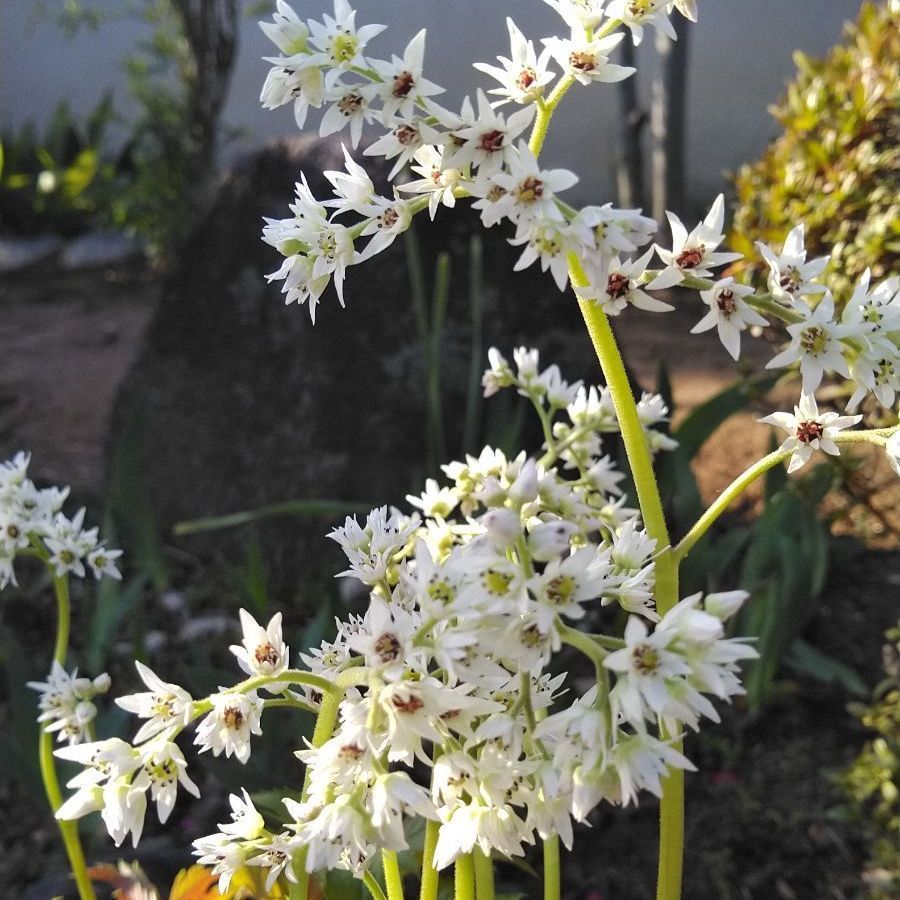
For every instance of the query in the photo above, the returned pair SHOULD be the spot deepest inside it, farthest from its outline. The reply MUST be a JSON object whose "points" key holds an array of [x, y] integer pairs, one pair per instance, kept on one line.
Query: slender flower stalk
{"points": [[69, 830]]}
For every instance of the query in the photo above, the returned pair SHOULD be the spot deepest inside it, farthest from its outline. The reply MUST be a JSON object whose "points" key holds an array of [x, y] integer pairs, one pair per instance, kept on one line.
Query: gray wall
{"points": [[741, 59]]}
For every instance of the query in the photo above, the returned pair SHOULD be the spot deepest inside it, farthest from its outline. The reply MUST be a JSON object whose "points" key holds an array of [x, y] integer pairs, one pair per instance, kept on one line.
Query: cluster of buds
{"points": [[452, 707]]}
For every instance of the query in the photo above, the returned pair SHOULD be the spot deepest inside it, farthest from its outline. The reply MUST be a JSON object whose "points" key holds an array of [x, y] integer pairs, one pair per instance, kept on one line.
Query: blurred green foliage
{"points": [[66, 179], [77, 175], [836, 167], [872, 781]]}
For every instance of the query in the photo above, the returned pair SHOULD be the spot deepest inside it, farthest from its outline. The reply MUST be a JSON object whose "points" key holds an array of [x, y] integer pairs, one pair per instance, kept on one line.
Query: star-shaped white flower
{"points": [[486, 139], [694, 253], [809, 430], [615, 284], [816, 344], [403, 86], [790, 275], [728, 313], [587, 59], [524, 75]]}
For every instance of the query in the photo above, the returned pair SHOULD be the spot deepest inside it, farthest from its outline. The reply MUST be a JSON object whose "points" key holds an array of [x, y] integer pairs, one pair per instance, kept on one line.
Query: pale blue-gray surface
{"points": [[741, 59]]}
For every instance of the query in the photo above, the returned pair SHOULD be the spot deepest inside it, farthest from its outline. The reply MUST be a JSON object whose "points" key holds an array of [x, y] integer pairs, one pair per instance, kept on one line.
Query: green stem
{"points": [[392, 877], [726, 498], [484, 876], [582, 642], [327, 719], [552, 878], [69, 829], [464, 882], [430, 877], [371, 882], [875, 436], [640, 461]]}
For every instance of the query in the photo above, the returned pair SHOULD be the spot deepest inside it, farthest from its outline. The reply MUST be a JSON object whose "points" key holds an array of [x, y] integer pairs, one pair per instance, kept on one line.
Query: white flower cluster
{"points": [[478, 152], [32, 521], [449, 670], [481, 153], [66, 703]]}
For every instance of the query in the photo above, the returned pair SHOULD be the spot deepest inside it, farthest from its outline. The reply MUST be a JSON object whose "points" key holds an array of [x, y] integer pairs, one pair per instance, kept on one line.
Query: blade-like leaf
{"points": [[308, 507]]}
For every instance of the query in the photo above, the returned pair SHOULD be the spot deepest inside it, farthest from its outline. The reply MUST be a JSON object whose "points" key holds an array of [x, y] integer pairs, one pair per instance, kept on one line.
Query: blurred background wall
{"points": [[740, 59]]}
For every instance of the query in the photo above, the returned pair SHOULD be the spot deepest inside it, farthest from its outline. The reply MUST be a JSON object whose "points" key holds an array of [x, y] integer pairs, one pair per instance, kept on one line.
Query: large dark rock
{"points": [[239, 401]]}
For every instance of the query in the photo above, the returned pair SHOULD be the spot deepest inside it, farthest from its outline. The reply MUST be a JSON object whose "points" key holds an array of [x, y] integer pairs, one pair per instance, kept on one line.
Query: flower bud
{"points": [[102, 683], [550, 539], [491, 493], [524, 489], [503, 527], [725, 604]]}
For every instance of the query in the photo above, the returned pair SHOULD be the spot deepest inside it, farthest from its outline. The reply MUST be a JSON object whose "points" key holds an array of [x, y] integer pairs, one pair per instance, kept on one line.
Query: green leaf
{"points": [[306, 507], [805, 659], [114, 604], [701, 422]]}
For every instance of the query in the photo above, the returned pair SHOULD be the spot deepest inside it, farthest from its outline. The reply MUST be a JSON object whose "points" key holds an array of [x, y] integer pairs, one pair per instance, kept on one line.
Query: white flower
{"points": [[614, 284], [403, 85], [264, 651], [246, 823], [549, 242], [102, 561], [340, 41], [350, 104], [385, 640], [526, 192], [790, 276], [567, 583], [435, 500], [163, 768], [809, 430], [437, 180], [645, 666], [65, 702], [641, 762], [635, 14], [403, 141], [816, 344], [224, 856], [286, 30], [580, 14], [728, 313], [370, 548], [294, 81], [102, 761], [316, 250], [234, 717], [618, 230], [587, 59], [486, 139], [524, 75], [339, 829], [694, 253], [163, 705]]}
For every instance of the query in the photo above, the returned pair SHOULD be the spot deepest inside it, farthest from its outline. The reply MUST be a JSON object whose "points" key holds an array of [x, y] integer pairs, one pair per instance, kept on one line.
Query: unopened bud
{"points": [[725, 604], [524, 489], [550, 539], [503, 527]]}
